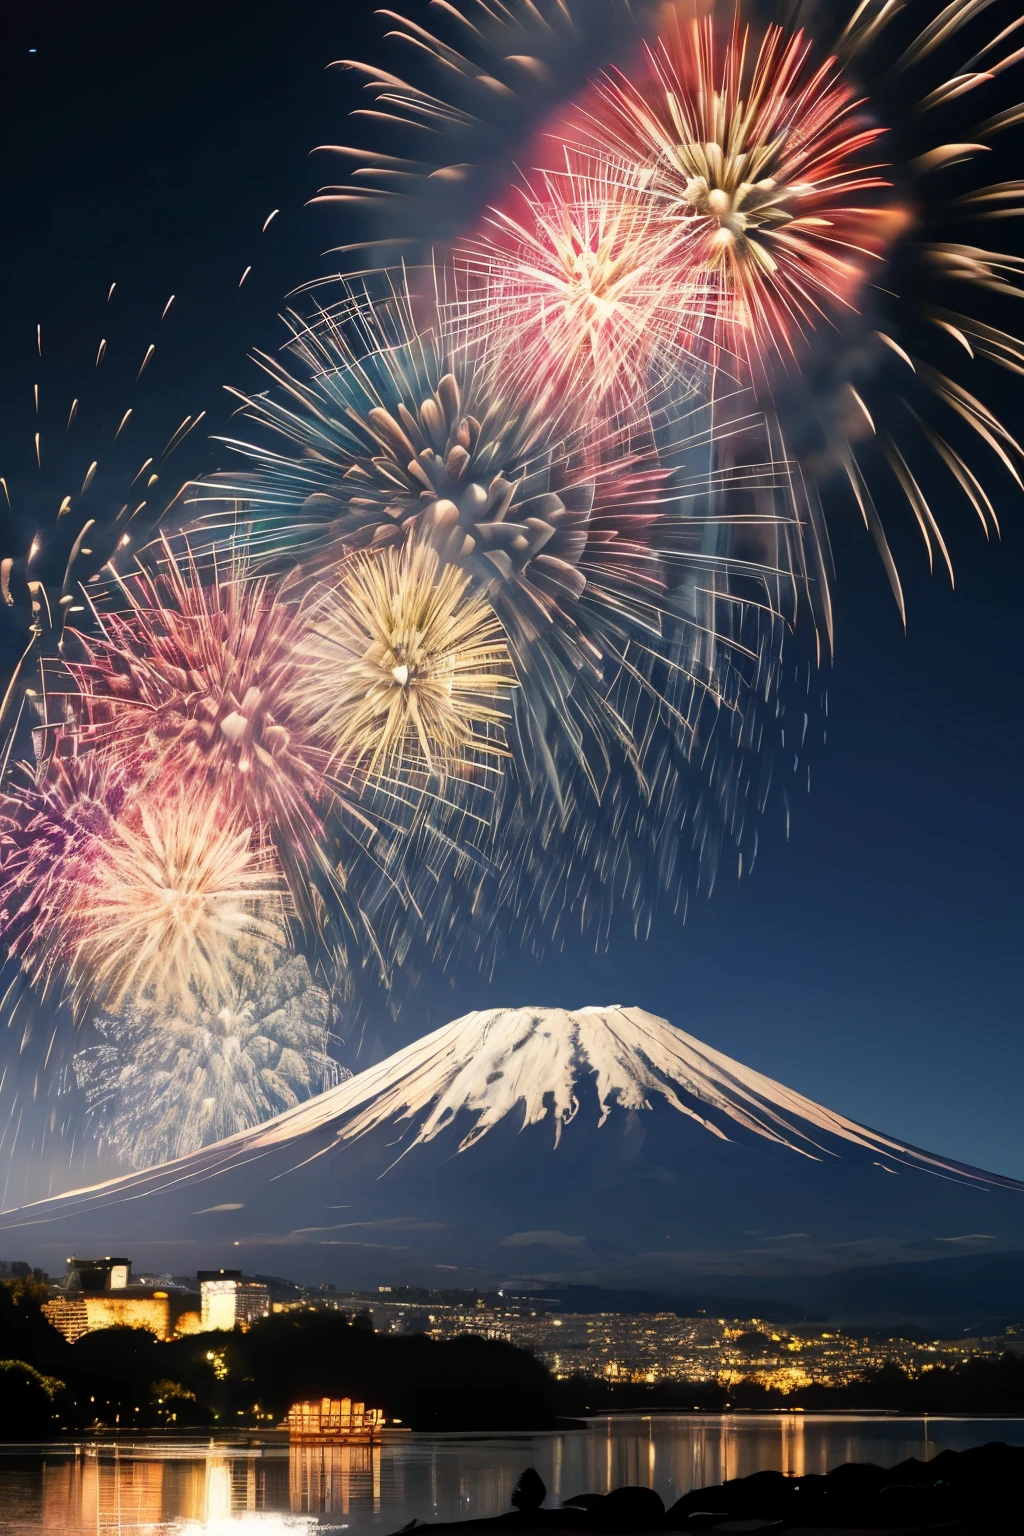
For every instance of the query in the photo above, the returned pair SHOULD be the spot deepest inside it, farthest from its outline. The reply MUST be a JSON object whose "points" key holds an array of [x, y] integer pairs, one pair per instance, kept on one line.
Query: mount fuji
{"points": [[601, 1145]]}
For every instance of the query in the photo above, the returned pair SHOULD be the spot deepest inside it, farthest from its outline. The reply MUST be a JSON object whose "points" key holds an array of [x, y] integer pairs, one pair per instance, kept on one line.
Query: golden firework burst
{"points": [[178, 896], [405, 666]]}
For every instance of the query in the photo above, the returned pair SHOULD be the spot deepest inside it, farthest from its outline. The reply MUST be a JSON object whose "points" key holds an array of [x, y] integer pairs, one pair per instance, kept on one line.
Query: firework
{"points": [[909, 398], [577, 862], [159, 1085], [582, 288], [677, 800], [403, 667], [826, 180], [761, 162], [56, 820], [389, 431], [78, 481], [577, 538], [195, 680], [400, 436], [108, 892], [513, 548], [765, 152], [175, 897]]}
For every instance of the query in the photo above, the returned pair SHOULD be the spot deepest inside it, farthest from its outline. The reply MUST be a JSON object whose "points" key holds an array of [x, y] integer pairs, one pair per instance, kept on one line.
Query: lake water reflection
{"points": [[196, 1488]]}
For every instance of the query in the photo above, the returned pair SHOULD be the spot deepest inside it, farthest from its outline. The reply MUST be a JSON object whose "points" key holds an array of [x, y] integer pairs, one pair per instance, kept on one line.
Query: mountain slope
{"points": [[597, 1142]]}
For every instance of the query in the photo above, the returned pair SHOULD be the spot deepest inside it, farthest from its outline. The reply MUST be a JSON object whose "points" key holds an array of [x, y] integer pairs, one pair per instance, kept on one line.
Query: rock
{"points": [[630, 1509]]}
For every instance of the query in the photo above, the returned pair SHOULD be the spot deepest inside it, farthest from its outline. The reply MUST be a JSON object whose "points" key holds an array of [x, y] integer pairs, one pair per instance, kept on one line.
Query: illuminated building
{"points": [[99, 1293], [97, 1274], [229, 1300], [80, 1313]]}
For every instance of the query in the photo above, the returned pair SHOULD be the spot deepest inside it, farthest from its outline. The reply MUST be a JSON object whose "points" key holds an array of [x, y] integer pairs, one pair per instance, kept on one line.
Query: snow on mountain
{"points": [[534, 1062]]}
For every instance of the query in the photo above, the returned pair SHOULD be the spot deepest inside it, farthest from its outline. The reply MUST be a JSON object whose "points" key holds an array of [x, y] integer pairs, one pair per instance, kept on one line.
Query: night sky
{"points": [[873, 961]]}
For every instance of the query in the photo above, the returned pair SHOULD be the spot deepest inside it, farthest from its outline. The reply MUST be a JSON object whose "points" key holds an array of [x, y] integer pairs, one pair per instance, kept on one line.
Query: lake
{"points": [[197, 1487]]}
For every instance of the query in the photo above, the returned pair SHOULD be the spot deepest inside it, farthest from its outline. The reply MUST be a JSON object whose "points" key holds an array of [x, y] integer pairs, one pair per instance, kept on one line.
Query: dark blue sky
{"points": [[872, 961]]}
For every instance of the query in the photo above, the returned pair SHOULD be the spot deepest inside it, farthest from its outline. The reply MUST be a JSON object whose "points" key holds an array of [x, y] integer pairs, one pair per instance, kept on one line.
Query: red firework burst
{"points": [[759, 158]]}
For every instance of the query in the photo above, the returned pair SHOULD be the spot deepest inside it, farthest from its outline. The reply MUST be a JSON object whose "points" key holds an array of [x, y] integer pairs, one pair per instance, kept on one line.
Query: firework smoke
{"points": [[463, 101]]}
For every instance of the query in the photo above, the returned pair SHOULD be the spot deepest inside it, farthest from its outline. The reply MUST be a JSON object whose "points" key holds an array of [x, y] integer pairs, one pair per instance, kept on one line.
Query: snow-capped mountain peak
{"points": [[537, 1063], [552, 1064], [534, 1066], [604, 1135]]}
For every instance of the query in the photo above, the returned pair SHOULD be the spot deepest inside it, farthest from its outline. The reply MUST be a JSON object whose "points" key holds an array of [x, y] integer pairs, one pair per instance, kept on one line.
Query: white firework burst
{"points": [[160, 1085]]}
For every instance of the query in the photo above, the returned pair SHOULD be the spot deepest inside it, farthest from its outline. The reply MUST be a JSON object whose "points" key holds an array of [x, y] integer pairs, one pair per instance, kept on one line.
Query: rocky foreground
{"points": [[966, 1493]]}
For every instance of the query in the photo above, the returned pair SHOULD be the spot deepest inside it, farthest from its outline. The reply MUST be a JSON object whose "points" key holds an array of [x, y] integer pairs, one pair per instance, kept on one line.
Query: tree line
{"points": [[124, 1378]]}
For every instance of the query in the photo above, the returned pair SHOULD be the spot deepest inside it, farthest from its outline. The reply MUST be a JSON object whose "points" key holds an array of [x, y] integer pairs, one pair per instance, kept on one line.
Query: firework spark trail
{"points": [[467, 96], [161, 1084], [931, 340], [402, 668], [88, 485], [582, 287]]}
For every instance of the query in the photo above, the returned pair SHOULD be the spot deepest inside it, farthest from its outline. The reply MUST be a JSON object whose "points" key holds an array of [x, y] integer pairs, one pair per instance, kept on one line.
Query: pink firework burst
{"points": [[194, 681], [581, 289], [110, 892], [54, 822]]}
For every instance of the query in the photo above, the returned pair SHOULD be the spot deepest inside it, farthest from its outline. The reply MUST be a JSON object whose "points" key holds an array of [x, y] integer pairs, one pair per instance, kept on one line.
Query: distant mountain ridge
{"points": [[964, 1292], [593, 1146]]}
